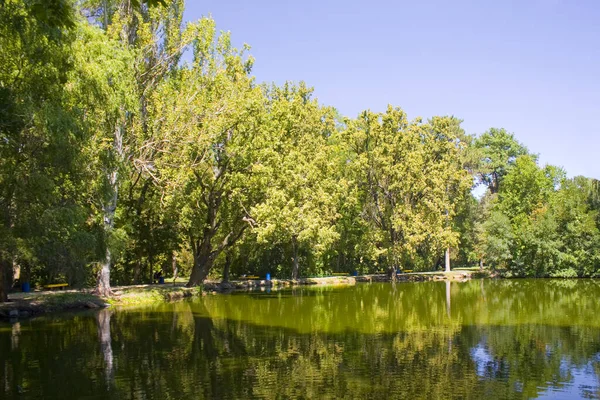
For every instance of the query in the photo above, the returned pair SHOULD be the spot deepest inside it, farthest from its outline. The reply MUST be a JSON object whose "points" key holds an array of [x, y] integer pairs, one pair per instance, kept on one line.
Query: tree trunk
{"points": [[447, 259], [174, 265], [393, 273], [150, 268], [103, 280], [3, 289], [481, 264], [226, 267], [296, 267], [204, 255], [203, 263], [103, 283], [137, 269], [16, 275]]}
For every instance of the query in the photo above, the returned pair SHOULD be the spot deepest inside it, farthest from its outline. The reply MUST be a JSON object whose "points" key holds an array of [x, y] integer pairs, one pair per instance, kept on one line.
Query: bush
{"points": [[564, 273]]}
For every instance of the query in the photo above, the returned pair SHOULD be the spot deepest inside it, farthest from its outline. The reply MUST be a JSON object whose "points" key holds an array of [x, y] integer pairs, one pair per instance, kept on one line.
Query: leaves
{"points": [[110, 139], [407, 173]]}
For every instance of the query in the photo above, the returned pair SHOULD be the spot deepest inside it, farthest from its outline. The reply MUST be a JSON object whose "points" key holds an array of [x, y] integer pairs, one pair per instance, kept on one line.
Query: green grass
{"points": [[36, 303], [136, 295], [60, 300], [41, 303]]}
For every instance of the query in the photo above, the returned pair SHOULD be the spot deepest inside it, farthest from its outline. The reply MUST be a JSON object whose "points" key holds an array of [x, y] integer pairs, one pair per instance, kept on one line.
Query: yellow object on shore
{"points": [[56, 285]]}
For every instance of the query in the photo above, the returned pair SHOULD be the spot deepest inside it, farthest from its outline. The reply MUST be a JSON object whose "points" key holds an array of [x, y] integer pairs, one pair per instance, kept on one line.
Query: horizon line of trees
{"points": [[118, 158]]}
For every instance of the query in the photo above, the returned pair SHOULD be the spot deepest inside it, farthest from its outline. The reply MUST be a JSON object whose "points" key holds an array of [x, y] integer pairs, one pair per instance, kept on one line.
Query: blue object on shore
{"points": [[268, 277], [161, 280], [355, 273], [25, 287]]}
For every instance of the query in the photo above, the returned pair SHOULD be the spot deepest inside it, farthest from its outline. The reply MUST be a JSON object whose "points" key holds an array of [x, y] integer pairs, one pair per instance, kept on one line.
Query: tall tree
{"points": [[448, 132], [301, 197], [205, 144], [151, 32], [103, 87], [405, 171], [38, 130]]}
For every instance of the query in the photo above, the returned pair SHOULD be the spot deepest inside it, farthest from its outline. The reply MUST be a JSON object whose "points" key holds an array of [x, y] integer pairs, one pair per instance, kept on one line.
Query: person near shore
{"points": [[157, 276]]}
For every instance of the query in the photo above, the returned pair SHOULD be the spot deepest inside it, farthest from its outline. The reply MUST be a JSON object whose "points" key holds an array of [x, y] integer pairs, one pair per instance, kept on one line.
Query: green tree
{"points": [[498, 151], [39, 137], [104, 89], [542, 224], [405, 172], [152, 34], [301, 194], [526, 188], [205, 144]]}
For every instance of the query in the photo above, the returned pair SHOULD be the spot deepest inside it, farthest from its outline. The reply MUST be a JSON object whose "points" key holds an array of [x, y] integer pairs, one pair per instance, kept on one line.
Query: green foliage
{"points": [[541, 228], [298, 168], [497, 151], [205, 141], [43, 198], [525, 189], [406, 173], [115, 153], [565, 273]]}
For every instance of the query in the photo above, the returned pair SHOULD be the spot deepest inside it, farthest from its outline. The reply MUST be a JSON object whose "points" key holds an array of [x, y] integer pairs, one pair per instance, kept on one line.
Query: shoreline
{"points": [[34, 304], [460, 276]]}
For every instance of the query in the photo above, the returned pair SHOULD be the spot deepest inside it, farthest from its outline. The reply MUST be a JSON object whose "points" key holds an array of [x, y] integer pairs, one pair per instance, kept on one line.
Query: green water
{"points": [[479, 339]]}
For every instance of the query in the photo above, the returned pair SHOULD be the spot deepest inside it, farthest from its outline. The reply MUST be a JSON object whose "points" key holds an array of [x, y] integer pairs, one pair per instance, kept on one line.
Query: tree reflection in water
{"points": [[426, 340], [103, 320]]}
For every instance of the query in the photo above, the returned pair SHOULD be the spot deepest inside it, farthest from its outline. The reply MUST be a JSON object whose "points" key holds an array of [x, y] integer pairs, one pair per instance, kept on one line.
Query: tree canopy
{"points": [[120, 156]]}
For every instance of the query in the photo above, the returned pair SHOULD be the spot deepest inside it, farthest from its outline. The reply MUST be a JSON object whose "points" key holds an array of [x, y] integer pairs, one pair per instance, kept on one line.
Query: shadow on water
{"points": [[473, 340]]}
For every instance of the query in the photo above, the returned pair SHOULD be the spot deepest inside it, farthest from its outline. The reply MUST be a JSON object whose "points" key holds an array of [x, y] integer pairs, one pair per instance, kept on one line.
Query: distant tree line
{"points": [[118, 158]]}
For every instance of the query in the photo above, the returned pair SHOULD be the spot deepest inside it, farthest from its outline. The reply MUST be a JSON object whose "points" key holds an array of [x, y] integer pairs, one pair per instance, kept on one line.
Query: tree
{"points": [[102, 70], [498, 151], [447, 130], [577, 231], [205, 143], [152, 34], [39, 132], [541, 224], [526, 188], [405, 172], [301, 196], [465, 222]]}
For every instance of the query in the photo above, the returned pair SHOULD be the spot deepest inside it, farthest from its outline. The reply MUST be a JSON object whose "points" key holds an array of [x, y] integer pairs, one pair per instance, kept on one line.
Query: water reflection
{"points": [[103, 320], [448, 299], [507, 339]]}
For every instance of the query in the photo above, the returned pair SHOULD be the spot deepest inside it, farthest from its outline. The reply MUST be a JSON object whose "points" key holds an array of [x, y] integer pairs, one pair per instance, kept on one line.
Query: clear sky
{"points": [[530, 66]]}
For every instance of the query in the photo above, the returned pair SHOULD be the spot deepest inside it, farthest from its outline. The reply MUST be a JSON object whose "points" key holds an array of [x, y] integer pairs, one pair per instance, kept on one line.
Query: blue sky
{"points": [[530, 66]]}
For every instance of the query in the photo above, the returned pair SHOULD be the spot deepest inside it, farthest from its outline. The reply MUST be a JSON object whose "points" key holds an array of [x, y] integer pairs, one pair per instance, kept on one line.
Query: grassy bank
{"points": [[24, 305]]}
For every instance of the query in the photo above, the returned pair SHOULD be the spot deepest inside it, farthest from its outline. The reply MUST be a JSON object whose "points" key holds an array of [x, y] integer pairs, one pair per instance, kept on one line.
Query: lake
{"points": [[493, 339]]}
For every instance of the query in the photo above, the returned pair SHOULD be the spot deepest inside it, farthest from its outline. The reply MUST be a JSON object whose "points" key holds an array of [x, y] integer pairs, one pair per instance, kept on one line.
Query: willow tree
{"points": [[298, 169], [405, 172], [205, 143]]}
